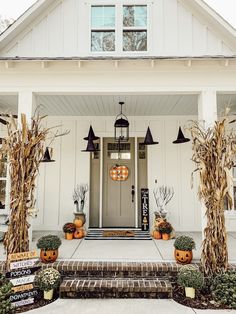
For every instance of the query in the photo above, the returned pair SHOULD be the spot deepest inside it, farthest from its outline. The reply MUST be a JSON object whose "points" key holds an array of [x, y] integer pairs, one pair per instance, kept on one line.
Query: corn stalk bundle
{"points": [[24, 150], [213, 153]]}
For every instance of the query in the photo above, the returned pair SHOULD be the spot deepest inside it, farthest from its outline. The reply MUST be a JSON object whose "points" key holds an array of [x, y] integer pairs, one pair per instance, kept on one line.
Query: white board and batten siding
{"points": [[174, 29], [169, 164]]}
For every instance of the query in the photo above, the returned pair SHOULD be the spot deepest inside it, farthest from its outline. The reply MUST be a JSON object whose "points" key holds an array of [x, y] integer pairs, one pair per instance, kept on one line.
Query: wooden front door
{"points": [[118, 183]]}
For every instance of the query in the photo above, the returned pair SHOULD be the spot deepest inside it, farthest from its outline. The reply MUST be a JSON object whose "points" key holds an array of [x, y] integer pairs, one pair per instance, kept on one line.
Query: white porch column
{"points": [[27, 105], [207, 115]]}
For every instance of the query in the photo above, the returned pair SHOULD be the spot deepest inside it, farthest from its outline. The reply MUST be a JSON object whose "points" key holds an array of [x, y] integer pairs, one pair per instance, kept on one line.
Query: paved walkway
{"points": [[120, 306], [157, 250]]}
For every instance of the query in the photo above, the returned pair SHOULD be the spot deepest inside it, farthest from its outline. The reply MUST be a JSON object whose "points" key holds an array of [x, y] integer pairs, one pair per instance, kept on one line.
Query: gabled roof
{"points": [[221, 25]]}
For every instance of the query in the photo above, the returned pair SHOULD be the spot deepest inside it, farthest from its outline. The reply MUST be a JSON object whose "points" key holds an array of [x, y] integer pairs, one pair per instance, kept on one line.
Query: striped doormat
{"points": [[112, 234]]}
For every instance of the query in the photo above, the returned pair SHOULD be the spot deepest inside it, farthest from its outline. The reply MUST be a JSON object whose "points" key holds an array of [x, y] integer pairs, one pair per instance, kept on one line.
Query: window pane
{"points": [[103, 41], [134, 16], [135, 41], [103, 16]]}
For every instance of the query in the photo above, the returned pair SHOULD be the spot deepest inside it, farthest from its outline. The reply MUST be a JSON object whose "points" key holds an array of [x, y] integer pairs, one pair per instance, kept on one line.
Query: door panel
{"points": [[118, 208]]}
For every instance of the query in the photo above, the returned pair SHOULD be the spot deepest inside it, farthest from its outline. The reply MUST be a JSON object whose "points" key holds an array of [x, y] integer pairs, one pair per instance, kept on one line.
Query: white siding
{"points": [[63, 31], [168, 163]]}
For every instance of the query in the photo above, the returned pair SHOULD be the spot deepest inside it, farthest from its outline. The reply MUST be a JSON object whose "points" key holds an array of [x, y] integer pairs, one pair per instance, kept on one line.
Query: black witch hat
{"points": [[47, 157], [90, 147], [91, 136], [149, 139], [181, 138]]}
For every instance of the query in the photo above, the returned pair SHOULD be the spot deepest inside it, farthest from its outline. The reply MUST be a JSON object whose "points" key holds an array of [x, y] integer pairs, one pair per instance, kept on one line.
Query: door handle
{"points": [[132, 193]]}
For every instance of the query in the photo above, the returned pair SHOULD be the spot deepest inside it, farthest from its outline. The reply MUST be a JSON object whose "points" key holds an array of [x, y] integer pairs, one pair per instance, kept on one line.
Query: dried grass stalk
{"points": [[213, 153]]}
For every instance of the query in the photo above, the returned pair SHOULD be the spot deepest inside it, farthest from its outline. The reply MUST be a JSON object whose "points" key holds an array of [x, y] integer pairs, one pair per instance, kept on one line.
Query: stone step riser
{"points": [[115, 295]]}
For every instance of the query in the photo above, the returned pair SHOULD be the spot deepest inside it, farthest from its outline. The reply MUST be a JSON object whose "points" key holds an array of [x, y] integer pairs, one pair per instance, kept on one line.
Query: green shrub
{"points": [[5, 292], [224, 289], [184, 243], [49, 242], [190, 276], [48, 279], [165, 227]]}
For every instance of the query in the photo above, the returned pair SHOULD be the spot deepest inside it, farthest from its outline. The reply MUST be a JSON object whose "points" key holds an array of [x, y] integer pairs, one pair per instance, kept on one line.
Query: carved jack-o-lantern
{"points": [[183, 257], [48, 256], [119, 173]]}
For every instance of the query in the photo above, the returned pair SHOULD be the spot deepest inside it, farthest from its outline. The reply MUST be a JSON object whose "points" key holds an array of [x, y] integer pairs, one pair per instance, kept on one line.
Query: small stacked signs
{"points": [[21, 269]]}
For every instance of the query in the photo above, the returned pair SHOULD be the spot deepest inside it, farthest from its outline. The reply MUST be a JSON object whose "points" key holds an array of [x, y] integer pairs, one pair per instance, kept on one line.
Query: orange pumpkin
{"points": [[157, 235], [78, 223], [79, 234], [119, 173], [183, 257], [48, 256], [165, 236]]}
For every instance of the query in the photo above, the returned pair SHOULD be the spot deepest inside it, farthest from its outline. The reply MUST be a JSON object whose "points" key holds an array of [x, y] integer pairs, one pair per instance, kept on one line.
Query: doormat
{"points": [[118, 233]]}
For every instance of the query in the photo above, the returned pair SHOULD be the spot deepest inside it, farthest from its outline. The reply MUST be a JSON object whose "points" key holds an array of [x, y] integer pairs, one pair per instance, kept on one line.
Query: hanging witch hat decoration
{"points": [[181, 138], [91, 136], [149, 139], [90, 147], [47, 157]]}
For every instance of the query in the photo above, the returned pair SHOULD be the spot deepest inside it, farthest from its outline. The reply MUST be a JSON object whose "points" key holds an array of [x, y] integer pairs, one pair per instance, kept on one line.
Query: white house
{"points": [[169, 61]]}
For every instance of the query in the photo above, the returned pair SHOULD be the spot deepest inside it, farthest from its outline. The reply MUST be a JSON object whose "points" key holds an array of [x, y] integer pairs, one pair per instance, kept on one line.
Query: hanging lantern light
{"points": [[181, 138], [121, 126], [47, 156], [149, 139], [91, 136]]}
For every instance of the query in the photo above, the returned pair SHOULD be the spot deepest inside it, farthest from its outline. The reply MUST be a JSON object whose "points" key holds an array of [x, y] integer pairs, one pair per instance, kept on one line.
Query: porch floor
{"points": [[154, 250]]}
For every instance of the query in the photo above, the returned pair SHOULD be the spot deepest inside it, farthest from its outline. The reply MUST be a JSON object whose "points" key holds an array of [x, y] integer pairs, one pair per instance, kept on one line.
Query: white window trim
{"points": [[119, 28]]}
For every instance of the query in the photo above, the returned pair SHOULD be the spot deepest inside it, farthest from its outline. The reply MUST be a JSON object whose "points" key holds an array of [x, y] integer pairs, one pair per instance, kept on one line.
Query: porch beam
{"points": [[207, 115]]}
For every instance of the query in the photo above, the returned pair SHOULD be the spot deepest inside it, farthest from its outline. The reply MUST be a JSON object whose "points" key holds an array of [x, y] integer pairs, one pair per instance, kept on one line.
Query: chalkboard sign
{"points": [[145, 209], [21, 269]]}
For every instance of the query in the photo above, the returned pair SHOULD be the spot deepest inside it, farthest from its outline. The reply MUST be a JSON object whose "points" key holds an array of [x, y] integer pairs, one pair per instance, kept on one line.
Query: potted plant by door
{"points": [[183, 249], [190, 278], [79, 197], [49, 245], [165, 229], [47, 280], [69, 229]]}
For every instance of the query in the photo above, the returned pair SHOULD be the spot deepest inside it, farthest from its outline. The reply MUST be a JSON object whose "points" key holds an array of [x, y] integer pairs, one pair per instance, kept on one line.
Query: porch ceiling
{"points": [[107, 105]]}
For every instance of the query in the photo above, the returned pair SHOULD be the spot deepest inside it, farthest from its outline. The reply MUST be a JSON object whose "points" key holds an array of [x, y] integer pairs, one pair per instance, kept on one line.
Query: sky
{"points": [[14, 8]]}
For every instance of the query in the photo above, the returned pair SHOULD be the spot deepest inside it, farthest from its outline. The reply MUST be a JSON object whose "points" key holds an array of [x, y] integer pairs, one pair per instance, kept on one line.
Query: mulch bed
{"points": [[38, 304], [202, 300]]}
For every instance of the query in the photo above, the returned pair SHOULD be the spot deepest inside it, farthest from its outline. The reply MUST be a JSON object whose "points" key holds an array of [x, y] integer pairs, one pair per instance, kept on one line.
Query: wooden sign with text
{"points": [[23, 302], [145, 209], [22, 280], [23, 255], [23, 264], [24, 295], [23, 288]]}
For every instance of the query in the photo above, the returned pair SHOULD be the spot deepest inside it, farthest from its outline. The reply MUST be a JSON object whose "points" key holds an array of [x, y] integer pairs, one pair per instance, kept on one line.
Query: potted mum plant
{"points": [[69, 229], [190, 278], [47, 280], [165, 228], [5, 294], [183, 249], [49, 245]]}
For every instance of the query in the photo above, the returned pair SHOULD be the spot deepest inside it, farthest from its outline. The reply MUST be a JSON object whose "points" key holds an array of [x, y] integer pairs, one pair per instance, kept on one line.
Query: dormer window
{"points": [[103, 28]]}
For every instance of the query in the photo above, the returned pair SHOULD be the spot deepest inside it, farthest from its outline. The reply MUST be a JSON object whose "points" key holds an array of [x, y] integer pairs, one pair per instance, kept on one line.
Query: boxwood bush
{"points": [[5, 292], [224, 289]]}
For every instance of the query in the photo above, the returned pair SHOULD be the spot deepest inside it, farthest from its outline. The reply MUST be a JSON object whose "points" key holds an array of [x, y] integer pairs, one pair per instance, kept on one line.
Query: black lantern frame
{"points": [[121, 126]]}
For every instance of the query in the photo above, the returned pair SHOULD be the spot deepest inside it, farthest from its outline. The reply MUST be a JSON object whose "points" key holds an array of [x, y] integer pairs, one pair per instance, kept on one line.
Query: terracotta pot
{"points": [[79, 234], [69, 236], [48, 256], [183, 257], [48, 295], [190, 292], [165, 236], [157, 235]]}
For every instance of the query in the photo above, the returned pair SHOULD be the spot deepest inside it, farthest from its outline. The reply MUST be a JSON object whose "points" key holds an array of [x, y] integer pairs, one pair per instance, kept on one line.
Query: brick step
{"points": [[116, 269], [86, 288]]}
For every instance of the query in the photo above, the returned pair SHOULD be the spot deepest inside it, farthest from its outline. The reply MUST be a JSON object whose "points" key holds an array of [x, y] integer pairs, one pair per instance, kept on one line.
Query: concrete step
{"points": [[86, 288]]}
